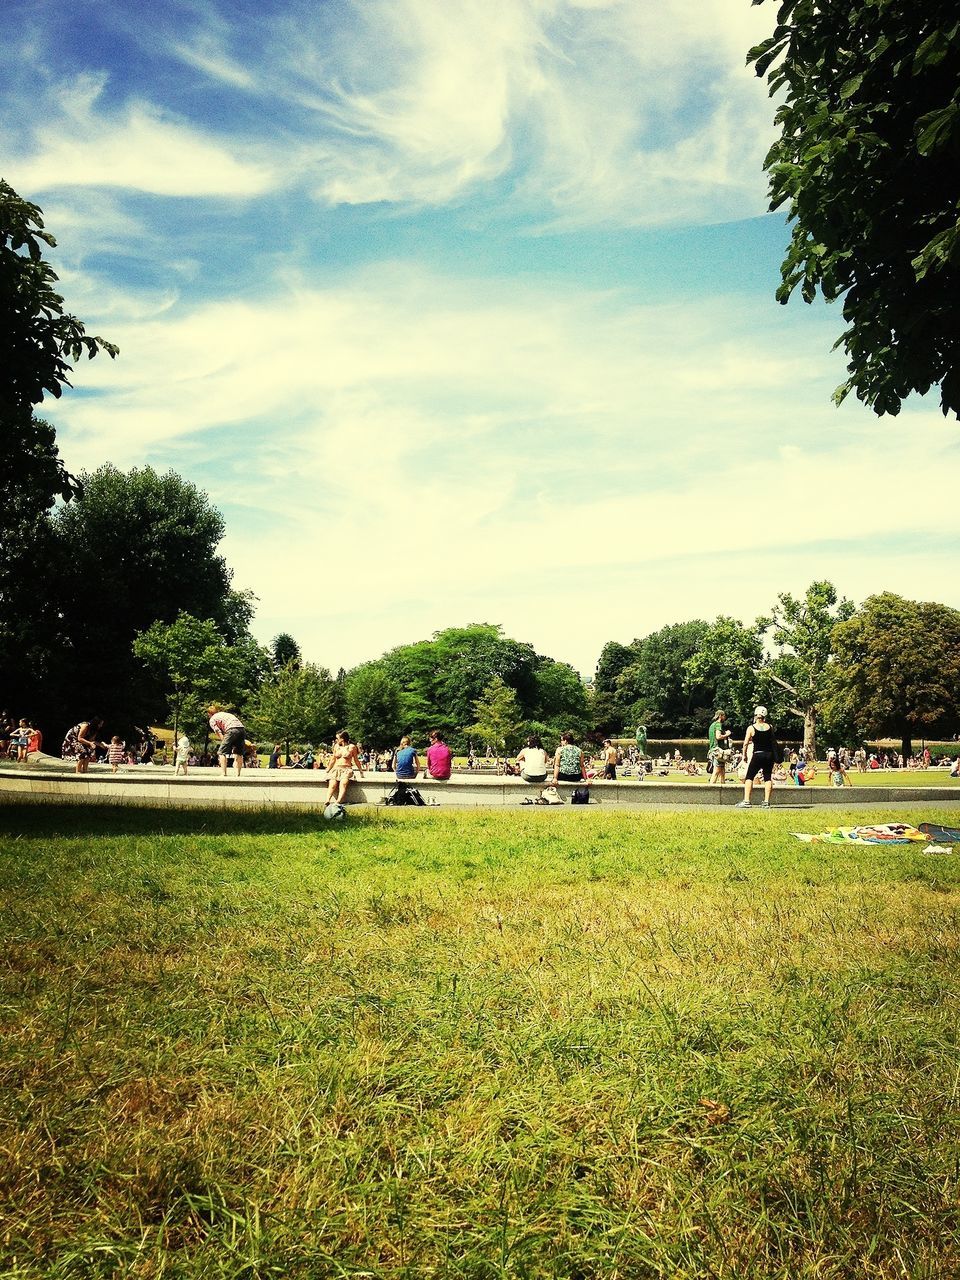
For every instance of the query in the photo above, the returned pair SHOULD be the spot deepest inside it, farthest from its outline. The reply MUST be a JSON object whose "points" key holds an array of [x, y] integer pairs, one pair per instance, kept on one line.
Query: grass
{"points": [[571, 1044]]}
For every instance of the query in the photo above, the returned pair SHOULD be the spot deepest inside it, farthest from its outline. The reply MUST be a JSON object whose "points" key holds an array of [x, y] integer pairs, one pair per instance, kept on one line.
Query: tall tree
{"points": [[194, 666], [867, 163], [38, 340], [296, 705], [136, 548], [498, 723], [284, 650], [373, 706], [655, 686], [897, 668], [730, 662], [803, 632]]}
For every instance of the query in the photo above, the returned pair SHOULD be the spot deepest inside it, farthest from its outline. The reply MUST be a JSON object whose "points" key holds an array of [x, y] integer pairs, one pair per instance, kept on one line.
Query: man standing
{"points": [[233, 737], [439, 757], [609, 761], [718, 749]]}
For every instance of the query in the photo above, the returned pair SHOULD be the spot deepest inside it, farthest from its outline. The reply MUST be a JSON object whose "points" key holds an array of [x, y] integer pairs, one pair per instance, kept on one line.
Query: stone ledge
{"points": [[146, 785]]}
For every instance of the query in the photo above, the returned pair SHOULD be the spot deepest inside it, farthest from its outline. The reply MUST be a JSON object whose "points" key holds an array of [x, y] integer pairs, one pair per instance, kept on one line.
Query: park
{"points": [[417, 315]]}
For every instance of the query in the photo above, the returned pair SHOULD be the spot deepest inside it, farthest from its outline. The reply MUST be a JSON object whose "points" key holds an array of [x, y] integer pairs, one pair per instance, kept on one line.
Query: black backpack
{"points": [[581, 795], [403, 795]]}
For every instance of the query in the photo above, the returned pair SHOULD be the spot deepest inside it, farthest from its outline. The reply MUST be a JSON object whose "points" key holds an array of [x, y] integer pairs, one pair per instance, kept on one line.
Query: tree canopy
{"points": [[38, 341], [867, 163], [897, 668]]}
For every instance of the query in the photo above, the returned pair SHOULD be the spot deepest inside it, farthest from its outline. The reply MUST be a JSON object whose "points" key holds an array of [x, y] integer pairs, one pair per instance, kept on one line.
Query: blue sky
{"points": [[460, 312]]}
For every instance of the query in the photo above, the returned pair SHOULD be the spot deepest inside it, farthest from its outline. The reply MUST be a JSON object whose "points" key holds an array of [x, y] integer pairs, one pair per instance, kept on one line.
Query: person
{"points": [[719, 747], [147, 749], [439, 757], [233, 737], [568, 761], [609, 761], [182, 756], [760, 742], [20, 738], [344, 762], [81, 742], [406, 765], [116, 752], [532, 761], [837, 770], [274, 762]]}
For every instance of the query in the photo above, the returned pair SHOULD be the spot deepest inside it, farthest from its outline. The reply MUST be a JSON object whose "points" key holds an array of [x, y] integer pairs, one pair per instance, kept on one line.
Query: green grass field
{"points": [[421, 1044]]}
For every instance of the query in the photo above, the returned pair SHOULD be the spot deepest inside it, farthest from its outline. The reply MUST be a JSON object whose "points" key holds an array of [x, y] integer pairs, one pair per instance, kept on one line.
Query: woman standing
{"points": [[760, 746]]}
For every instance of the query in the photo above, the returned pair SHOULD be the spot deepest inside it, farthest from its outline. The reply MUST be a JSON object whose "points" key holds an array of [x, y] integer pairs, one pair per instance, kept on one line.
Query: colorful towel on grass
{"points": [[879, 833]]}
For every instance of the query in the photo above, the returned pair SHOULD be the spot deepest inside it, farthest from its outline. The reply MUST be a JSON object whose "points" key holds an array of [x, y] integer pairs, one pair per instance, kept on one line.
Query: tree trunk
{"points": [[810, 733], [906, 747]]}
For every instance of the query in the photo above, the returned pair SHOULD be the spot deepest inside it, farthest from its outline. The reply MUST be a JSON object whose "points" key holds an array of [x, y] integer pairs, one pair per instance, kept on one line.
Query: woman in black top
{"points": [[760, 750]]}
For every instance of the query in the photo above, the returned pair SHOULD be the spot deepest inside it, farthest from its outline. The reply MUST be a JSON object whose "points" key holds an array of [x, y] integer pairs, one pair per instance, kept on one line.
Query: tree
{"points": [[498, 721], [655, 688], [134, 548], [897, 668], [730, 662], [38, 339], [373, 706], [560, 699], [284, 650], [195, 666], [296, 705], [803, 631], [867, 163]]}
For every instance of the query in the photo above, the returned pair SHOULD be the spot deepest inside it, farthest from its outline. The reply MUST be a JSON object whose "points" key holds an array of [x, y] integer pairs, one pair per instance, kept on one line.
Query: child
{"points": [[182, 755], [116, 752], [21, 740]]}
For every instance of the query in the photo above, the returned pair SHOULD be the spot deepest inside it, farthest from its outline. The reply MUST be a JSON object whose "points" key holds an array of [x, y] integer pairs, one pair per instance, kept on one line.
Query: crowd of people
{"points": [[758, 760]]}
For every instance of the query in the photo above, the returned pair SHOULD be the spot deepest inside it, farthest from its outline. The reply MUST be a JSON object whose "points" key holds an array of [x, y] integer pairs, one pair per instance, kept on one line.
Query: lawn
{"points": [[573, 1044]]}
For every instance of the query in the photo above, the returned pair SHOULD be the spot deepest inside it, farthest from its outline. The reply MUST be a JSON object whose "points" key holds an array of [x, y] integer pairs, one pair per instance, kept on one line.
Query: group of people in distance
{"points": [[18, 739]]}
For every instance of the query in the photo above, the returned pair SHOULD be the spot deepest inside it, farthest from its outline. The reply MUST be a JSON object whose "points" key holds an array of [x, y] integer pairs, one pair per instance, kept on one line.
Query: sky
{"points": [[460, 311]]}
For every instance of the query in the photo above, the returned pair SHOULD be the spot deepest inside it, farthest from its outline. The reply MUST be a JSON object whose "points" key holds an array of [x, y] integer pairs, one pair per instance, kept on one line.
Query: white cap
{"points": [[760, 713]]}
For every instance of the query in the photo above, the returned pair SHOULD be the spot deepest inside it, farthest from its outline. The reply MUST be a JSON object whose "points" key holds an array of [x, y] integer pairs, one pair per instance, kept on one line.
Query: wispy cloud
{"points": [[79, 141], [487, 433]]}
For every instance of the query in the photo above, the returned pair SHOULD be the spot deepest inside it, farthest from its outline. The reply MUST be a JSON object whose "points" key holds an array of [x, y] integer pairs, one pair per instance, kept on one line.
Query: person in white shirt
{"points": [[532, 761]]}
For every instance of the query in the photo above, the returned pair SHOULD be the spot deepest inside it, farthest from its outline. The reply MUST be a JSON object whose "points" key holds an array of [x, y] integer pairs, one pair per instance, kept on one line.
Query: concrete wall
{"points": [[53, 783]]}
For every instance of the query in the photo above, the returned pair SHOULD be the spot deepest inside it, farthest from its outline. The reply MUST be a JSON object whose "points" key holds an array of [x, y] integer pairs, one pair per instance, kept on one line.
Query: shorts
{"points": [[761, 762], [610, 772], [234, 742], [569, 777], [536, 778]]}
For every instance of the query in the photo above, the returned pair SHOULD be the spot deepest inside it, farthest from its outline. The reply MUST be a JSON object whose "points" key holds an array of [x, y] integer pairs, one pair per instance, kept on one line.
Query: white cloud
{"points": [[579, 112], [405, 451], [81, 143]]}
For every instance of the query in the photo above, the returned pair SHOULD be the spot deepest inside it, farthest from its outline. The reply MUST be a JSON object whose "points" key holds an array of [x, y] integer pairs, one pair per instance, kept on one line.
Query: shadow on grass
{"points": [[65, 820]]}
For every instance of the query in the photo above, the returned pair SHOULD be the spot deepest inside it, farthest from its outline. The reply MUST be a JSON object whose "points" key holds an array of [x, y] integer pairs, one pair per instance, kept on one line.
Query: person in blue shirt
{"points": [[405, 763]]}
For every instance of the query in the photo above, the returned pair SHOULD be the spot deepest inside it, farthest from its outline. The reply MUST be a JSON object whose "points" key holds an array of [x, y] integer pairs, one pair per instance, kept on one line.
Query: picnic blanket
{"points": [[879, 833]]}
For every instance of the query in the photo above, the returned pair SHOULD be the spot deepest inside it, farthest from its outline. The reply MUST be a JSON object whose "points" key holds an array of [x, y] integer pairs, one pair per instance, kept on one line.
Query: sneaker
{"points": [[743, 804], [765, 805]]}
